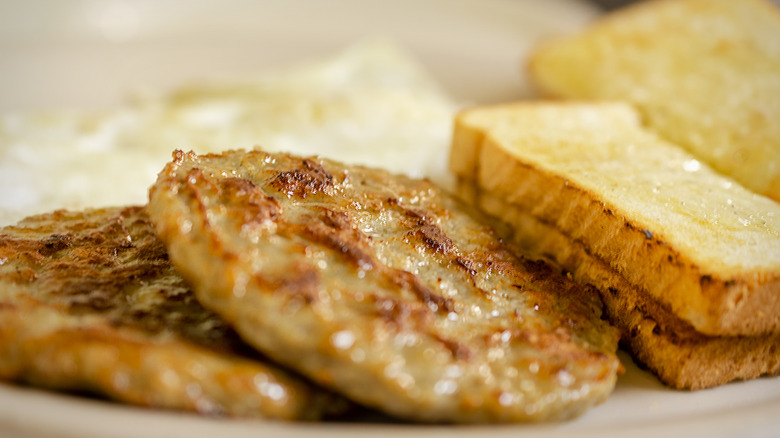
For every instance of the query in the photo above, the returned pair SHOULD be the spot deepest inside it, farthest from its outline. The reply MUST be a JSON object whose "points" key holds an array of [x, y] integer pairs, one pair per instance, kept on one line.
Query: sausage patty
{"points": [[90, 302], [383, 288]]}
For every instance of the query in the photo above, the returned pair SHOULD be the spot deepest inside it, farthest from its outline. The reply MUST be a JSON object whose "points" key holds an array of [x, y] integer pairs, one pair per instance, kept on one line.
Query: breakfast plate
{"points": [[89, 54], [639, 407]]}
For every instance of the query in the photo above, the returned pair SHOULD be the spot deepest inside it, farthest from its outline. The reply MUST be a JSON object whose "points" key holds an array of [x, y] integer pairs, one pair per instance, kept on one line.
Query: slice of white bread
{"points": [[643, 221], [705, 74]]}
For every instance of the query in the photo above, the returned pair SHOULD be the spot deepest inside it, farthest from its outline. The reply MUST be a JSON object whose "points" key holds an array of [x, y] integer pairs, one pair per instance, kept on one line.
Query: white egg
{"points": [[370, 104]]}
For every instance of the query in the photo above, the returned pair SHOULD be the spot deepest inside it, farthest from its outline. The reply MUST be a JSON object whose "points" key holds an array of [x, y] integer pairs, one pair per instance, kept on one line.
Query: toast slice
{"points": [[674, 247], [704, 74]]}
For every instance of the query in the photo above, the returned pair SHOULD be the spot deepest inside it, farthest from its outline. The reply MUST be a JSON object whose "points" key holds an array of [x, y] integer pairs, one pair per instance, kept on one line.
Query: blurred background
{"points": [[612, 4], [91, 53]]}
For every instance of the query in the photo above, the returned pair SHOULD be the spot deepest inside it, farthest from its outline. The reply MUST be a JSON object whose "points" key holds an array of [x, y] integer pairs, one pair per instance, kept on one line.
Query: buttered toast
{"points": [[678, 251], [705, 74]]}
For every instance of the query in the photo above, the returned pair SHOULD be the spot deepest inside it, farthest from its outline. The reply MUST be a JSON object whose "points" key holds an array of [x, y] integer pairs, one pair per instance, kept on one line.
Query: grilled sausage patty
{"points": [[383, 288], [89, 301]]}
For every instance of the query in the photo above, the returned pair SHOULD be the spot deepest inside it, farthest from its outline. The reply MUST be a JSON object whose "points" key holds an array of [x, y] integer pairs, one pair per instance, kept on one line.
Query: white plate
{"points": [[639, 407], [88, 54]]}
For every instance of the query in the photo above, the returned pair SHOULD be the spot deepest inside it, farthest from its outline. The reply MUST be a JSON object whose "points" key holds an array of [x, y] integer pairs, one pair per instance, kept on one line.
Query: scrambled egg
{"points": [[371, 104]]}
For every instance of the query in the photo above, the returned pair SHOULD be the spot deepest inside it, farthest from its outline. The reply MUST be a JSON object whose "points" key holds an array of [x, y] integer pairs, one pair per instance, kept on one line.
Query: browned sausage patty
{"points": [[89, 301], [382, 287]]}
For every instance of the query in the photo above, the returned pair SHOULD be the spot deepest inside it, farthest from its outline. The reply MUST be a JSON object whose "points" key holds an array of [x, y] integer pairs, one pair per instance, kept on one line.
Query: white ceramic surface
{"points": [[90, 54]]}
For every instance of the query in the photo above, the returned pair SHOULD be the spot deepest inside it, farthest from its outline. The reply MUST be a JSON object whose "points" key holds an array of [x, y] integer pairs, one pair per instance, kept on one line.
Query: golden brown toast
{"points": [[643, 221], [704, 74]]}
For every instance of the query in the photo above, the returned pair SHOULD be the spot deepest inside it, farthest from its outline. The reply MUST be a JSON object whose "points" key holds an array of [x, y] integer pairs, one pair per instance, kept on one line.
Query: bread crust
{"points": [[383, 288], [89, 302]]}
